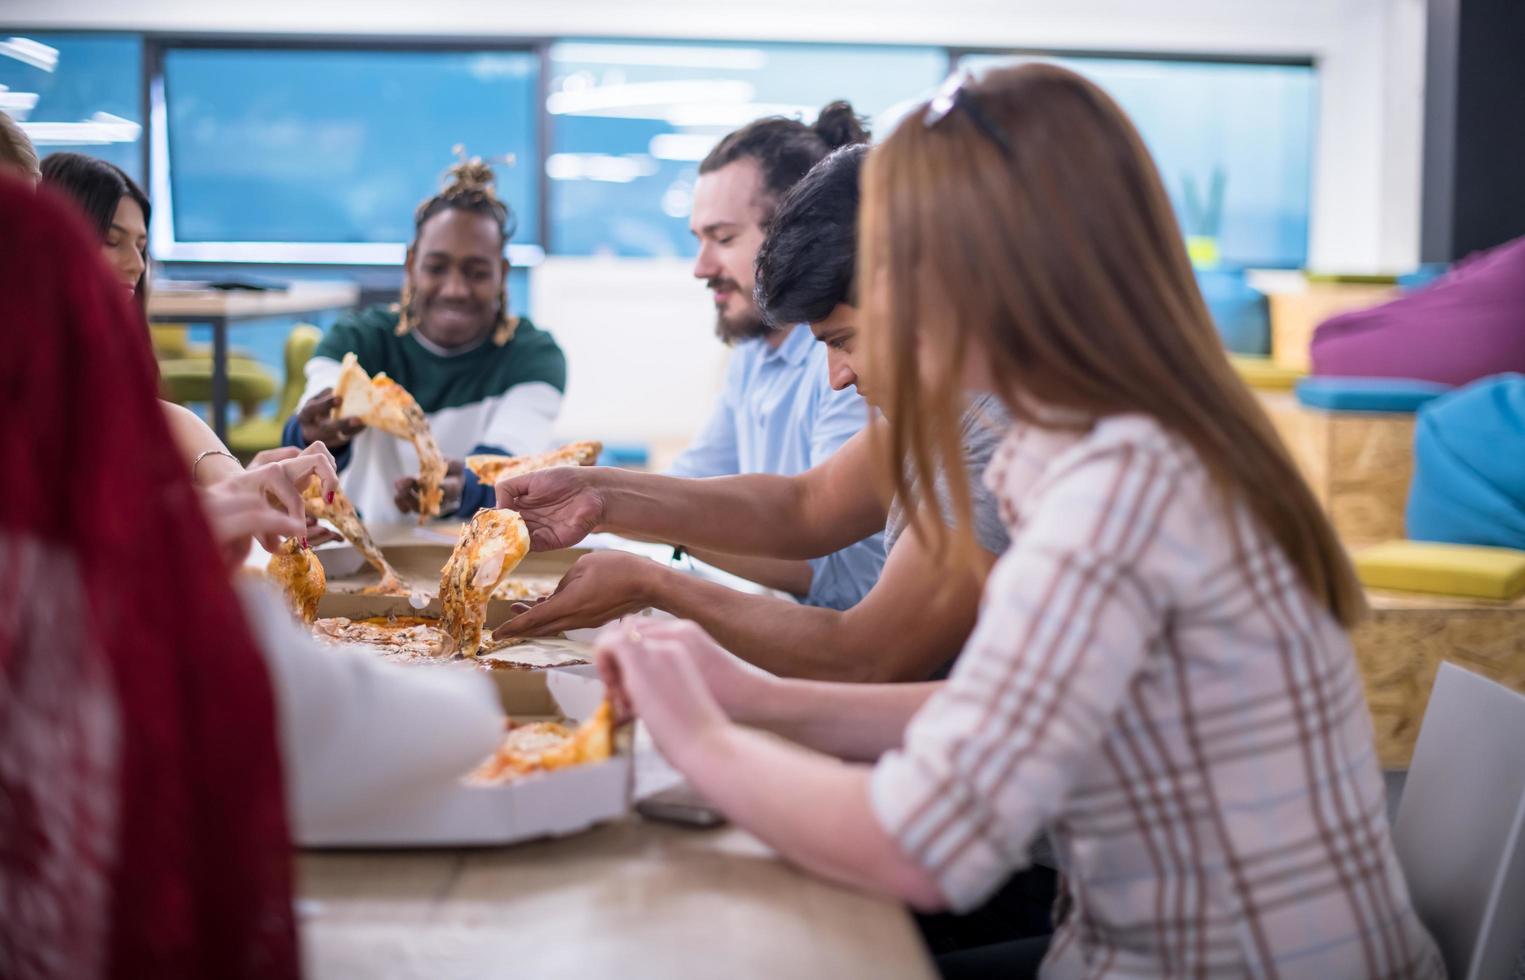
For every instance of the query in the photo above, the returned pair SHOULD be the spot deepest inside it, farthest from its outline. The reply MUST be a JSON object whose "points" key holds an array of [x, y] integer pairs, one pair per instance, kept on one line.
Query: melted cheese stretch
{"points": [[385, 405], [300, 576], [490, 548], [336, 509]]}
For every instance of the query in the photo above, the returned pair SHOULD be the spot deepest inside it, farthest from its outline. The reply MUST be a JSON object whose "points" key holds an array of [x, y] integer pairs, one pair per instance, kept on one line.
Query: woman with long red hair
{"points": [[145, 812]]}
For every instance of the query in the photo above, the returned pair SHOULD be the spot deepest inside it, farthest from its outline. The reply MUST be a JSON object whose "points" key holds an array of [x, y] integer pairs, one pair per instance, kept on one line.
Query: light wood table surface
{"points": [[630, 900], [168, 303]]}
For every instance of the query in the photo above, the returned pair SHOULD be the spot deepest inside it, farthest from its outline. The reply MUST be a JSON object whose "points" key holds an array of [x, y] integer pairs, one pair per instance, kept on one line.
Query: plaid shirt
{"points": [[1186, 721]]}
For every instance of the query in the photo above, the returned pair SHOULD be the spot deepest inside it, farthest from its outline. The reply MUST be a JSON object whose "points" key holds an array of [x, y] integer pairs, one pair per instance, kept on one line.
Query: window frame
{"points": [[153, 143], [957, 56], [166, 248]]}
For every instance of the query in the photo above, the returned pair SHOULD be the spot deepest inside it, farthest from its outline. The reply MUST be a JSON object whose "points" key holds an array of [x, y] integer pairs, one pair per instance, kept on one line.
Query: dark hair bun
{"points": [[472, 176], [839, 126]]}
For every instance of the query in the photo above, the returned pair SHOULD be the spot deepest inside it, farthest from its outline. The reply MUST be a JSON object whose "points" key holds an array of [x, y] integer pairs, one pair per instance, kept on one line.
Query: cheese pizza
{"points": [[491, 468], [300, 576], [383, 404], [545, 745], [335, 508], [490, 547]]}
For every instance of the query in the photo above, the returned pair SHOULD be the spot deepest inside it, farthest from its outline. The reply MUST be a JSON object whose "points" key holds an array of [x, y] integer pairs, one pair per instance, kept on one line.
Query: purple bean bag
{"points": [[1466, 325]]}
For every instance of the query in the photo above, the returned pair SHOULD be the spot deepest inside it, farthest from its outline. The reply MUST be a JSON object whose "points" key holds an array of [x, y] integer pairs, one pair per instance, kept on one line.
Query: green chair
{"points": [[189, 381], [252, 435], [172, 342]]}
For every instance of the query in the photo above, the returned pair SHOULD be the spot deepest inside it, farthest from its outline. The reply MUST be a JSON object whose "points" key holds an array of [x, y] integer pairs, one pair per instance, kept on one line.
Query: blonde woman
{"points": [[1160, 676], [18, 158]]}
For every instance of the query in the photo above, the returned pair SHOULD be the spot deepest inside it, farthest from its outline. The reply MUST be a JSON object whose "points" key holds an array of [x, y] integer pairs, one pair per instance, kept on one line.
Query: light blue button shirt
{"points": [[778, 414]]}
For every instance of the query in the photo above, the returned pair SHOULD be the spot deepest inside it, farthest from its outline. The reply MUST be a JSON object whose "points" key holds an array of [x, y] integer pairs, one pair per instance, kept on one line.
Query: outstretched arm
{"points": [[816, 513], [912, 622]]}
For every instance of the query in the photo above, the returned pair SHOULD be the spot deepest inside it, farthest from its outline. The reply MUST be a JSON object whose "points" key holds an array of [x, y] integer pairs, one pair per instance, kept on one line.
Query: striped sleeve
{"points": [[1068, 614]]}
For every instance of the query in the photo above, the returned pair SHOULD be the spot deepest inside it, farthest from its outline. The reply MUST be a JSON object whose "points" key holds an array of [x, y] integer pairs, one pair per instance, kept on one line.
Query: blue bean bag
{"points": [[1422, 276], [1239, 311], [1469, 466], [1368, 394]]}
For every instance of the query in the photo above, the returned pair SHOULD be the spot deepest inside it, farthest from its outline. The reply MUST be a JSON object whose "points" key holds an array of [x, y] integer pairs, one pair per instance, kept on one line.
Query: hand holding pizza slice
{"points": [[335, 507], [382, 403]]}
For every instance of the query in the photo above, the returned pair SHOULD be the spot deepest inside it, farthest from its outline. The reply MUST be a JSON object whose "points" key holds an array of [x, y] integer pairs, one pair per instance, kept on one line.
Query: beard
{"points": [[735, 329], [744, 326]]}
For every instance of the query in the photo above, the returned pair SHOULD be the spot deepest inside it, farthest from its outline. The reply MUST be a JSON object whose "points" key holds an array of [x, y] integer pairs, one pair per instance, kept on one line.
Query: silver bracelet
{"points": [[210, 452]]}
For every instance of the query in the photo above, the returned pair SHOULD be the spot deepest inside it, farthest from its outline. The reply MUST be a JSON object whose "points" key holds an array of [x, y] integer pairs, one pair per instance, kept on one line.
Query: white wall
{"points": [[638, 334], [643, 361], [1366, 186]]}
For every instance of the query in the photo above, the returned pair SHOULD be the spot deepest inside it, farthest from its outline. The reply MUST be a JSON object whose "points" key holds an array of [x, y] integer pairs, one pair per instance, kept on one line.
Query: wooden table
{"points": [[219, 307], [630, 900]]}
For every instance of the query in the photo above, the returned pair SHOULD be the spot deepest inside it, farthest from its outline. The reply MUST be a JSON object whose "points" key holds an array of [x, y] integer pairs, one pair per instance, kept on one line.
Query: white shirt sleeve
{"points": [[321, 372], [357, 733], [521, 421]]}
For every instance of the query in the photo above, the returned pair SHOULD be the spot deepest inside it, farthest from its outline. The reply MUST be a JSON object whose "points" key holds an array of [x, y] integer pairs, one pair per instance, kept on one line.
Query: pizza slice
{"points": [[383, 404], [336, 508], [491, 468], [491, 546], [545, 745], [300, 576]]}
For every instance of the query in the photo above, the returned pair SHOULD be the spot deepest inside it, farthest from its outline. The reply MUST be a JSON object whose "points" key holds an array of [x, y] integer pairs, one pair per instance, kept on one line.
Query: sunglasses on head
{"points": [[954, 94]]}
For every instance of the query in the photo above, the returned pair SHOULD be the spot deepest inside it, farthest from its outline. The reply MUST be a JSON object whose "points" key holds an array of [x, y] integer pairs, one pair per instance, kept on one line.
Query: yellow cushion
{"points": [[169, 339], [1261, 372], [190, 380], [254, 435], [1447, 569]]}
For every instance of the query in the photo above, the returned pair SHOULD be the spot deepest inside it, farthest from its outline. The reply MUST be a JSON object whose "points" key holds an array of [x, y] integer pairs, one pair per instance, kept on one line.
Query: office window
{"points": [[630, 122], [1233, 142], [76, 92], [337, 147]]}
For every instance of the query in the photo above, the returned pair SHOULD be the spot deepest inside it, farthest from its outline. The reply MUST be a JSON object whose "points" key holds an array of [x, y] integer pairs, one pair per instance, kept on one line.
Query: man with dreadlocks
{"points": [[490, 382]]}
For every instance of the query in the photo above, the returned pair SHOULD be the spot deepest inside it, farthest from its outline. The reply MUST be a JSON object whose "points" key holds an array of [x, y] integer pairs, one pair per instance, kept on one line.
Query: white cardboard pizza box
{"points": [[503, 665], [548, 804]]}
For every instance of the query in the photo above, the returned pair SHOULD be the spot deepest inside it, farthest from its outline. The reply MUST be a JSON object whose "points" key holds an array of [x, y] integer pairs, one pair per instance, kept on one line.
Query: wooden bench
{"points": [[1401, 646], [1296, 314], [1359, 464]]}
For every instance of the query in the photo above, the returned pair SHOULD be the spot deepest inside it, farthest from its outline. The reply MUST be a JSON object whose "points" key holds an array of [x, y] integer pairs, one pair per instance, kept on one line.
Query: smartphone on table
{"points": [[680, 805]]}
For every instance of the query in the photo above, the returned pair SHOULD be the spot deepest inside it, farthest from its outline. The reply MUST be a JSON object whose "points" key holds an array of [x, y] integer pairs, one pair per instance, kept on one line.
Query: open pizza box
{"points": [[545, 804], [419, 557], [504, 665]]}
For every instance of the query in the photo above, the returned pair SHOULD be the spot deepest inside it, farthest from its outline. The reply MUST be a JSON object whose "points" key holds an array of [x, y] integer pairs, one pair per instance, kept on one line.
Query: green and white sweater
{"points": [[487, 399]]}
